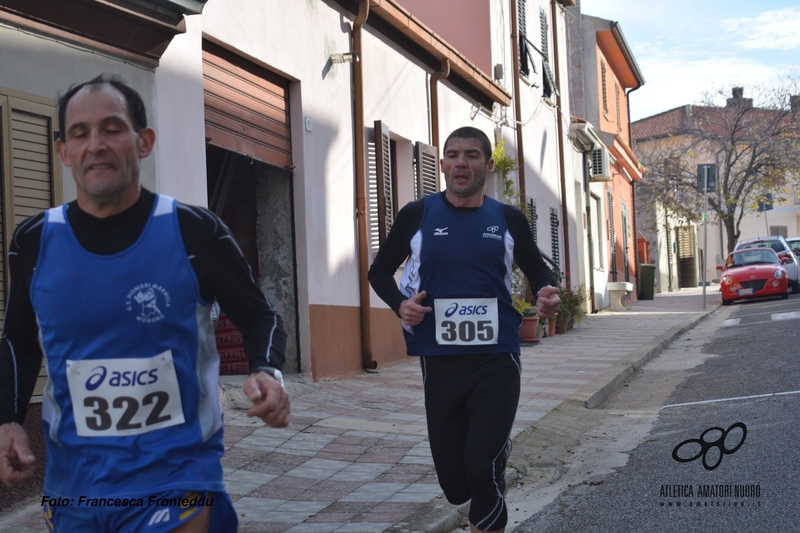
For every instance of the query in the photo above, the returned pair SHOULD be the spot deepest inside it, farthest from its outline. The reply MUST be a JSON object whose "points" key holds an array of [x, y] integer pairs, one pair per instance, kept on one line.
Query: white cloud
{"points": [[771, 30]]}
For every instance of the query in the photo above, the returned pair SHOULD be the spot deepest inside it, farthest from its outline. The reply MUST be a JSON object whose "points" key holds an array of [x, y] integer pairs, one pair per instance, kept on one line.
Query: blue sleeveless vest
{"points": [[461, 256], [115, 330]]}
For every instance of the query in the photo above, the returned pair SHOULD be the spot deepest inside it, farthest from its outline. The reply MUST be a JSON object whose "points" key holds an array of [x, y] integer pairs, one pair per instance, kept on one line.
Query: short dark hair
{"points": [[468, 132], [134, 104]]}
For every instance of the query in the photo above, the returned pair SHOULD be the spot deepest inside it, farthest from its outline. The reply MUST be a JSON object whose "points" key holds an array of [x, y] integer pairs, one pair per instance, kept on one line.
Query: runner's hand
{"points": [[547, 302], [270, 400], [17, 462], [411, 310]]}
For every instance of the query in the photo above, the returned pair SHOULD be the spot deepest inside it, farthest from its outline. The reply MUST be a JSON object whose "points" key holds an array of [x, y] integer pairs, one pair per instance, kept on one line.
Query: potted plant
{"points": [[571, 307], [529, 328]]}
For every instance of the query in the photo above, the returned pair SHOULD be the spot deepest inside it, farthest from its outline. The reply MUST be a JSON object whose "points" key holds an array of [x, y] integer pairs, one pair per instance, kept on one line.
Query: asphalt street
{"points": [[738, 373]]}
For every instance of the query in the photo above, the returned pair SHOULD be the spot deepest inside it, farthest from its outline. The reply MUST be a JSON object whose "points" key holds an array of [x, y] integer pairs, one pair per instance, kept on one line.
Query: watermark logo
{"points": [[716, 449]]}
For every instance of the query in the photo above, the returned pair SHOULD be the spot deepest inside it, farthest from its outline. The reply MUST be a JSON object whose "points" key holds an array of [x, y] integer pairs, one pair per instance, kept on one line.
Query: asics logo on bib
{"points": [[465, 310], [128, 378]]}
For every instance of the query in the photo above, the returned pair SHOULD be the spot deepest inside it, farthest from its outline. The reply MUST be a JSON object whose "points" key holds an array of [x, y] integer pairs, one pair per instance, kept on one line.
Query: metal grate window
{"points": [[612, 236], [532, 217], [554, 237]]}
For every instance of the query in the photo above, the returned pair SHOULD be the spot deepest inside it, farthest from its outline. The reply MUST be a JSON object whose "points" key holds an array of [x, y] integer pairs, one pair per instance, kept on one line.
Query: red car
{"points": [[753, 273]]}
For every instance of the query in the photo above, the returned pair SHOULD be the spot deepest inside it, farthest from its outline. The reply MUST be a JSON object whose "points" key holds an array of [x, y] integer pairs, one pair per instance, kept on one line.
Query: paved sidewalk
{"points": [[356, 457]]}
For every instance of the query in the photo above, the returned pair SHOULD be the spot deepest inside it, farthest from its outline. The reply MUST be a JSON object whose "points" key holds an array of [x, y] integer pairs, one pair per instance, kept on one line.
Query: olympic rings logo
{"points": [[706, 446]]}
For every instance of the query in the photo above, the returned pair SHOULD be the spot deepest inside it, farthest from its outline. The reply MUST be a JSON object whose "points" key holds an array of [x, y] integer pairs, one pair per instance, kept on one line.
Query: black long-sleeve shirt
{"points": [[397, 247], [221, 269]]}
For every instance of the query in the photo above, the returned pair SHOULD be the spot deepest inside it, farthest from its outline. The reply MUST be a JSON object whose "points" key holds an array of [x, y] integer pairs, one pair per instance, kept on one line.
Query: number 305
{"points": [[467, 331]]}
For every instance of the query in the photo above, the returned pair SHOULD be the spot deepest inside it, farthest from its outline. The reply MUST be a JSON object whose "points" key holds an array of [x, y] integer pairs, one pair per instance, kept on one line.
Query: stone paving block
{"points": [[314, 528], [374, 492], [365, 527], [318, 469], [417, 493], [250, 508], [362, 477]]}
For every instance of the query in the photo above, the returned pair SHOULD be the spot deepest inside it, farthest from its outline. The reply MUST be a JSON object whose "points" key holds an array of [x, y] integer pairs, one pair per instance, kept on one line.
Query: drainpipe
{"points": [[633, 192], [434, 84], [517, 104], [361, 188], [561, 156]]}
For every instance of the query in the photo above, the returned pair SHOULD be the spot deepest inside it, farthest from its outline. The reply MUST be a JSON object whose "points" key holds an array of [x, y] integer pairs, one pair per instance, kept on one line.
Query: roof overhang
{"points": [[618, 53], [140, 29], [405, 30]]}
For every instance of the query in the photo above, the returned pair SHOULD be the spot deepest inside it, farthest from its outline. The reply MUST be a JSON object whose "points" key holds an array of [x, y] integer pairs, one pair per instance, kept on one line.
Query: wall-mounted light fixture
{"points": [[347, 57]]}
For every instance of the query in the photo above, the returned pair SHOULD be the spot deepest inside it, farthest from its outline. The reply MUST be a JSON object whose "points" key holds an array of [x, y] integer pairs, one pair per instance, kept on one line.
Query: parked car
{"points": [[782, 248], [794, 244], [753, 273]]}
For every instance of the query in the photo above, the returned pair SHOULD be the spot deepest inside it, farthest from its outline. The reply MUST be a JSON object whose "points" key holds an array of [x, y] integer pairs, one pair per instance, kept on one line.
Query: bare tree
{"points": [[756, 149]]}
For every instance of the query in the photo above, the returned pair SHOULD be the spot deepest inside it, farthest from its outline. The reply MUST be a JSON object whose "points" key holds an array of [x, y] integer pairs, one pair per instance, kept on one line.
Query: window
{"points": [[612, 236], [398, 171], [596, 234], [30, 173], [782, 231], [603, 85], [549, 85], [554, 235], [532, 217], [525, 60], [29, 167], [381, 188]]}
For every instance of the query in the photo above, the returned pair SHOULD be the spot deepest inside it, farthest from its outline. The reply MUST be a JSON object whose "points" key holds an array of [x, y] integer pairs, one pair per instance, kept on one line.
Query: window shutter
{"points": [[549, 81], [532, 216], [30, 172], [32, 161], [554, 236], [383, 159], [524, 55], [427, 170], [544, 26]]}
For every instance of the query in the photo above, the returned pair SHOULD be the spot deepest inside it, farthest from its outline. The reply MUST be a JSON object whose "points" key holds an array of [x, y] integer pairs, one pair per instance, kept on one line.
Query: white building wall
{"points": [[180, 149], [42, 66]]}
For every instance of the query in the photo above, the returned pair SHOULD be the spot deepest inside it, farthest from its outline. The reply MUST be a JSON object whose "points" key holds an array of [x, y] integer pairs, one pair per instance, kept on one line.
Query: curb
{"points": [[594, 394]]}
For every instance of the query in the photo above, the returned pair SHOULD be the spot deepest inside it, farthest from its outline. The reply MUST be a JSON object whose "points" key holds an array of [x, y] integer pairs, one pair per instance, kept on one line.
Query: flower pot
{"points": [[562, 325], [529, 330]]}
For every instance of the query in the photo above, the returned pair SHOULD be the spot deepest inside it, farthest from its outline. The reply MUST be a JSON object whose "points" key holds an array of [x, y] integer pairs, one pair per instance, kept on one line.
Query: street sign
{"points": [[766, 203], [707, 172]]}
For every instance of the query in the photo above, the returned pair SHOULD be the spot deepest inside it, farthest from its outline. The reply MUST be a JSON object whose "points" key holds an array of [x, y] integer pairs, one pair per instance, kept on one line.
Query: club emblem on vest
{"points": [[150, 300]]}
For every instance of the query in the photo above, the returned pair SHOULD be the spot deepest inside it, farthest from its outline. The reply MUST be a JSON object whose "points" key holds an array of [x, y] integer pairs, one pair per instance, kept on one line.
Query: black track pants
{"points": [[471, 401]]}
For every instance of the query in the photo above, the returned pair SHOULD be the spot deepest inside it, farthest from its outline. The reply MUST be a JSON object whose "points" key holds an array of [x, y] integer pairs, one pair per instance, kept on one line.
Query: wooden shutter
{"points": [[246, 107], [383, 160], [427, 169], [30, 172]]}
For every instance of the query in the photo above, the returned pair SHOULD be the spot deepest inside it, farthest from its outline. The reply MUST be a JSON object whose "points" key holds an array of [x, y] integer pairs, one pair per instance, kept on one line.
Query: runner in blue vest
{"points": [[116, 290], [456, 308]]}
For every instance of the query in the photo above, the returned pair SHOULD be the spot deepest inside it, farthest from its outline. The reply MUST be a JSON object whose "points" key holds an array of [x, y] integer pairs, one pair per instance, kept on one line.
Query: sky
{"points": [[685, 48]]}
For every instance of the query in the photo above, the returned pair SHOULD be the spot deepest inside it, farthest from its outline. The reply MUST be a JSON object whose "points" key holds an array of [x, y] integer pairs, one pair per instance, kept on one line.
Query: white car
{"points": [[783, 249]]}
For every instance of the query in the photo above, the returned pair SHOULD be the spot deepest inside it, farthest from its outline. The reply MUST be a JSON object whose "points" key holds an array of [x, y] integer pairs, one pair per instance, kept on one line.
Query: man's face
{"points": [[465, 167], [102, 147]]}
